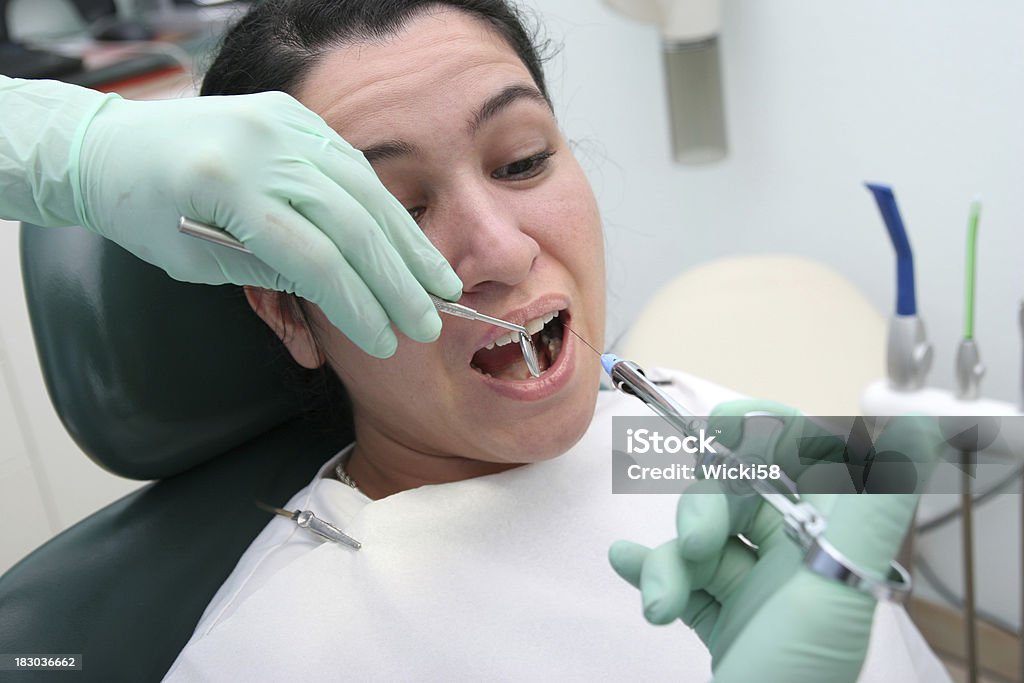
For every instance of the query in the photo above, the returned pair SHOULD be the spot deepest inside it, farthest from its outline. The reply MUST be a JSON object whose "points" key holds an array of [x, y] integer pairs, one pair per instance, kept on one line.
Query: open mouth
{"points": [[503, 359]]}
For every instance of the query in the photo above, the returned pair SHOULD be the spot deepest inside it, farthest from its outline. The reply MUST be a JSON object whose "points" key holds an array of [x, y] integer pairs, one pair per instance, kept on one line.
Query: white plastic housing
{"points": [[682, 21]]}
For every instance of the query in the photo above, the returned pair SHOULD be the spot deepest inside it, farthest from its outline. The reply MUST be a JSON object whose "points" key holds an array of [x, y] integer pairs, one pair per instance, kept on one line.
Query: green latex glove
{"points": [[262, 167], [762, 615]]}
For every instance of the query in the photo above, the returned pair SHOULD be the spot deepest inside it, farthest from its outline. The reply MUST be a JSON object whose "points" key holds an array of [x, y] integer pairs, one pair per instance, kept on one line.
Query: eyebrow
{"points": [[508, 96], [393, 149]]}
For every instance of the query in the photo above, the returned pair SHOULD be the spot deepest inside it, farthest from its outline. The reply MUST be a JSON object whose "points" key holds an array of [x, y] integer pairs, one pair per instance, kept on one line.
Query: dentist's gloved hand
{"points": [[263, 167], [762, 615]]}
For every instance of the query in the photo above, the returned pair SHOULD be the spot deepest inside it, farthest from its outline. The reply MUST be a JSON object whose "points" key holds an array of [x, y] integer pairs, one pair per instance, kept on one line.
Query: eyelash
{"points": [[535, 163]]}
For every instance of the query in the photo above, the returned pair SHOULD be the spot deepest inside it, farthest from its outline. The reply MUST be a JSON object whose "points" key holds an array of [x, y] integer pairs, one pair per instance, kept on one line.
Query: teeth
{"points": [[504, 339], [536, 325], [533, 327]]}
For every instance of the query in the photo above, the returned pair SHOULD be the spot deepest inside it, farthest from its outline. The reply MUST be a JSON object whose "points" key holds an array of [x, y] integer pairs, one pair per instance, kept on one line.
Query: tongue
{"points": [[494, 361]]}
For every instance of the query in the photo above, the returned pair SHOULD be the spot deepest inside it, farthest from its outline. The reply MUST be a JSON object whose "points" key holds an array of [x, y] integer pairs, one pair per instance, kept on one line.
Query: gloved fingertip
{"points": [[696, 546], [385, 345], [627, 559], [655, 606], [615, 552], [448, 285], [702, 523], [428, 328]]}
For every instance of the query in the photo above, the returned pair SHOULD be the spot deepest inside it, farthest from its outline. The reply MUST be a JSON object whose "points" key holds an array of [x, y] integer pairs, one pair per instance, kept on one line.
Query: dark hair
{"points": [[276, 45]]}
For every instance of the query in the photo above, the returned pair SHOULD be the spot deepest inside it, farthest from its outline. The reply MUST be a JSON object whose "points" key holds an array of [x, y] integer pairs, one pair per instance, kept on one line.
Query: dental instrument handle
{"points": [[525, 340], [222, 237], [307, 520], [460, 311], [210, 234], [629, 378], [452, 308]]}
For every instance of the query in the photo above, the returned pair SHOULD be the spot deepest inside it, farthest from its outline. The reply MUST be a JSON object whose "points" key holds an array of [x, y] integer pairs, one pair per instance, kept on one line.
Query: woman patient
{"points": [[472, 564]]}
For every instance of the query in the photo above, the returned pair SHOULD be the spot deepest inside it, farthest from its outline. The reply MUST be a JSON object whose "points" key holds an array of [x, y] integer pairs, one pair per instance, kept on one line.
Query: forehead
{"points": [[441, 62]]}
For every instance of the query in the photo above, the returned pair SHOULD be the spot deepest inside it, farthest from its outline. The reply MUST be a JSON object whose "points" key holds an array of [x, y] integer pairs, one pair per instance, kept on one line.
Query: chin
{"points": [[558, 430]]}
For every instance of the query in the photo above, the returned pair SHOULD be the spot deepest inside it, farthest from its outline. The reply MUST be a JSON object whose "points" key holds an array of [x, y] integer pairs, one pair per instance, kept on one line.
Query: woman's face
{"points": [[457, 130]]}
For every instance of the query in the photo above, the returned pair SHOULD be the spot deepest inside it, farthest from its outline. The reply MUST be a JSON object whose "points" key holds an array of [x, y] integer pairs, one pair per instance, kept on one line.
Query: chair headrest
{"points": [[150, 376]]}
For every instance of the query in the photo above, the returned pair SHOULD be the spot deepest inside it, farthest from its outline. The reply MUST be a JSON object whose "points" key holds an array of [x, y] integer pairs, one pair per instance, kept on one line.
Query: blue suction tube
{"points": [[906, 298]]}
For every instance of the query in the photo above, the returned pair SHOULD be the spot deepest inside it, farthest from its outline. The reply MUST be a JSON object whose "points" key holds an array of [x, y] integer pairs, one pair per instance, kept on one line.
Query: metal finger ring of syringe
{"points": [[803, 523]]}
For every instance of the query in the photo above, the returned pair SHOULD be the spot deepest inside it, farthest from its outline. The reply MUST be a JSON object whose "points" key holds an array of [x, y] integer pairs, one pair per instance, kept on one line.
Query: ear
{"points": [[293, 333]]}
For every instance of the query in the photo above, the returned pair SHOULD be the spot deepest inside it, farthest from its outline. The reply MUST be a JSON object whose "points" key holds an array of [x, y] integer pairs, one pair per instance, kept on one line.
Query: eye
{"points": [[417, 212], [524, 169]]}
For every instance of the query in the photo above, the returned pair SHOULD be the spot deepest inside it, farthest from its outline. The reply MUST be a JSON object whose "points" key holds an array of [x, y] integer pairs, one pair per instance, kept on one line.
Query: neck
{"points": [[382, 466]]}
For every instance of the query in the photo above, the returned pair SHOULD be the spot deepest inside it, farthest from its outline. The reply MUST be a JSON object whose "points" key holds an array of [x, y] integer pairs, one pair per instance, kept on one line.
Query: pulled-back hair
{"points": [[276, 45]]}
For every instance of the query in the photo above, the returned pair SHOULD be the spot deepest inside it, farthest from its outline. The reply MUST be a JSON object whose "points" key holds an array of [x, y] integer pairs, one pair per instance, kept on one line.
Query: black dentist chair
{"points": [[155, 380]]}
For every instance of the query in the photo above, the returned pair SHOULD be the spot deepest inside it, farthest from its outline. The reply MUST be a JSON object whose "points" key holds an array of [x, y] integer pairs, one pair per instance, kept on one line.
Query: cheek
{"points": [[572, 217], [383, 383]]}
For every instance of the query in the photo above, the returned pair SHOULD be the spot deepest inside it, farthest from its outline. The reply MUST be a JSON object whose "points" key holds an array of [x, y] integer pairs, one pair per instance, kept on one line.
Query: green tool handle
{"points": [[972, 241]]}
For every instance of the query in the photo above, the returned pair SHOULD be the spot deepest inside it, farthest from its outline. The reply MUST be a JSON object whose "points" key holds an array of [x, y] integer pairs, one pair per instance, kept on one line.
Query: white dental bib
{"points": [[503, 577]]}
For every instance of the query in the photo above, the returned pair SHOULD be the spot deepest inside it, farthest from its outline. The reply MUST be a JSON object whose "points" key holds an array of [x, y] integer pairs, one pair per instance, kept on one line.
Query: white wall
{"points": [[820, 96]]}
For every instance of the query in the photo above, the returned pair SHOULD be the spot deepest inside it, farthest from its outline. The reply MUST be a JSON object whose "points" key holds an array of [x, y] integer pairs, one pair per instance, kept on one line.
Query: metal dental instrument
{"points": [[222, 237], [803, 523], [525, 340], [630, 378], [307, 520], [908, 353], [210, 234], [969, 368]]}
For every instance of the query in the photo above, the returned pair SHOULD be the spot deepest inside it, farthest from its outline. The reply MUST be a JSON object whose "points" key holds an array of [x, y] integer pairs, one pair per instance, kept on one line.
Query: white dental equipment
{"points": [[804, 524], [909, 354], [222, 237], [693, 73]]}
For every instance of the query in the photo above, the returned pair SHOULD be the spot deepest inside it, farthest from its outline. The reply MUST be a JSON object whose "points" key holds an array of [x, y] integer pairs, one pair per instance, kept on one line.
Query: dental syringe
{"points": [[803, 523]]}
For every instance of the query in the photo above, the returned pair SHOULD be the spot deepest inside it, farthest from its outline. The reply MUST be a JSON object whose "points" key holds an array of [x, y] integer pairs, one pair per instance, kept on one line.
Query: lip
{"points": [[551, 381]]}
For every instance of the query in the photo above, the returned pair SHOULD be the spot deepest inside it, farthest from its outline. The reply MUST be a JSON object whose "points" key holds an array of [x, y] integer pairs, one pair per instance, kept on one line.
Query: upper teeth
{"points": [[533, 327]]}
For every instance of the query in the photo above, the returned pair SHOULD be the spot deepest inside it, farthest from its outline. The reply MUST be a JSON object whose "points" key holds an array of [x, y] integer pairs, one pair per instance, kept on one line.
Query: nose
{"points": [[489, 245]]}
